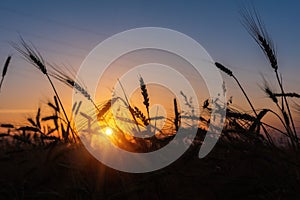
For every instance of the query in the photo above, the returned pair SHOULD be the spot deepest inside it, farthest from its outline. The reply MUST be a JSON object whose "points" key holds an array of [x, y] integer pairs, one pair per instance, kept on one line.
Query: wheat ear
{"points": [[4, 71]]}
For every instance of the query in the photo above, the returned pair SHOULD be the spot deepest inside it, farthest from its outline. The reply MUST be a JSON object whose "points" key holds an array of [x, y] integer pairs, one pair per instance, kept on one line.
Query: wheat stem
{"points": [[230, 73], [131, 110]]}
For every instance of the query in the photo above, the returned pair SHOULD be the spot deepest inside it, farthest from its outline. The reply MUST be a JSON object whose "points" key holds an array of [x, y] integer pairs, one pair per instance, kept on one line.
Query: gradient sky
{"points": [[66, 31]]}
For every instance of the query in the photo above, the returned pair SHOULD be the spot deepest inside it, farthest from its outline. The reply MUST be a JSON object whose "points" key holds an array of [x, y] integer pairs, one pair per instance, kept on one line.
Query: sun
{"points": [[108, 131]]}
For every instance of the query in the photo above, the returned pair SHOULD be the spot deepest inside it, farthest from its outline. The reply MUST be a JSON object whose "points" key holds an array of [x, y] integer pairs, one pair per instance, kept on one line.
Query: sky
{"points": [[66, 31]]}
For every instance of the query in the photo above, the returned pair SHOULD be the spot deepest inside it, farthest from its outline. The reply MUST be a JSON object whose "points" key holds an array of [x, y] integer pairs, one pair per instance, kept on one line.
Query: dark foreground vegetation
{"points": [[234, 170]]}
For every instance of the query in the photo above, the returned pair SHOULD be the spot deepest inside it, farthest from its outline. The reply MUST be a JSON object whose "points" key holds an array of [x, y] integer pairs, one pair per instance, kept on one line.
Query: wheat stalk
{"points": [[63, 77], [230, 73], [257, 30], [105, 108], [30, 54], [131, 110], [285, 121]]}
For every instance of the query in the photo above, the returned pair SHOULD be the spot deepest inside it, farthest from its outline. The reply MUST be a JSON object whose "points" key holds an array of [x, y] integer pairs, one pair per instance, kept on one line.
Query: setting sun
{"points": [[108, 131]]}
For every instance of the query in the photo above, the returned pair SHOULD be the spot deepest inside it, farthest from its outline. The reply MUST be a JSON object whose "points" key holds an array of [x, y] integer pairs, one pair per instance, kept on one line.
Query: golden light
{"points": [[108, 131]]}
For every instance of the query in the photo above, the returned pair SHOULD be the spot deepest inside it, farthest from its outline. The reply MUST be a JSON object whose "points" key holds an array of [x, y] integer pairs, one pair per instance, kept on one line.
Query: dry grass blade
{"points": [[257, 123], [53, 117], [6, 125], [86, 116], [51, 131], [28, 128], [74, 107], [55, 107], [78, 107], [31, 121], [56, 103], [52, 106], [38, 118]]}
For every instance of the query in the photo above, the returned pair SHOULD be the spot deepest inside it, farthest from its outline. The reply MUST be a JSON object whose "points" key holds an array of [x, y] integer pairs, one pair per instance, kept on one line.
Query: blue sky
{"points": [[65, 32]]}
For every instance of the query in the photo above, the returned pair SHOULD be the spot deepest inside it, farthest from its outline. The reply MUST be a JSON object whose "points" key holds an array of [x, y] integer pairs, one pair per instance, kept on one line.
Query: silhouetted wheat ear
{"points": [[224, 69], [229, 72], [288, 94], [269, 51], [257, 30], [4, 71], [66, 79], [30, 53], [6, 66], [105, 108], [145, 95], [177, 115], [140, 115], [80, 89], [271, 95], [38, 63]]}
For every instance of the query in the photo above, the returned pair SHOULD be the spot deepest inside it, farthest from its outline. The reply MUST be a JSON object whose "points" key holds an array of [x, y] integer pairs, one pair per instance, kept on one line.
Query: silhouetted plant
{"points": [[4, 71]]}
